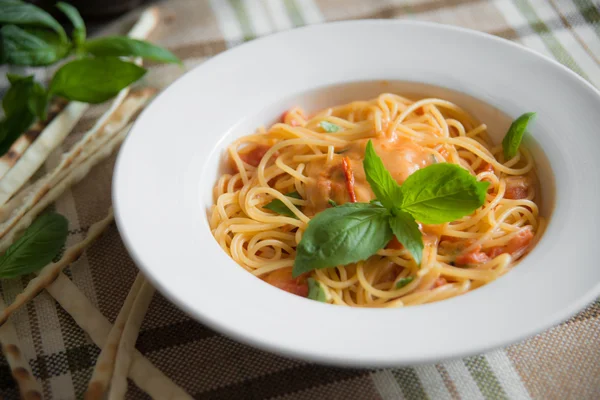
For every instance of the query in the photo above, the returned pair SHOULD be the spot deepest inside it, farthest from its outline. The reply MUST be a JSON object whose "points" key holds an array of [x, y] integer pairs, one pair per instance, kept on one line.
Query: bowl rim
{"points": [[299, 351]]}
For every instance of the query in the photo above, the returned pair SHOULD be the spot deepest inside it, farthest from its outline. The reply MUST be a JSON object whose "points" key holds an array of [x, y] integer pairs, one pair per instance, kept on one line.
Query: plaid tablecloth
{"points": [[561, 363]]}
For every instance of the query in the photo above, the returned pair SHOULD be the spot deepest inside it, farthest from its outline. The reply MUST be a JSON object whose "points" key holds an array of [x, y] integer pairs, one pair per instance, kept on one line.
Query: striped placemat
{"points": [[558, 364]]}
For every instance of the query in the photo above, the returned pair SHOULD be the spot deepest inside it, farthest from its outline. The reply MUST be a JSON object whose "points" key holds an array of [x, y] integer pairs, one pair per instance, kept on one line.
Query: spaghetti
{"points": [[308, 164]]}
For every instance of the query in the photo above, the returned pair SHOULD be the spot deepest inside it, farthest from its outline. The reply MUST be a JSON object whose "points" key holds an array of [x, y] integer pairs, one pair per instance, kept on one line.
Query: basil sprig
{"points": [[353, 232], [38, 246], [514, 136], [30, 36]]}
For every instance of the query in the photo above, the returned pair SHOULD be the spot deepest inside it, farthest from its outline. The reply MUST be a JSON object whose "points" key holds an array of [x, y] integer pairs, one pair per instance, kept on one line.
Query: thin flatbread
{"points": [[105, 364], [118, 384], [29, 387], [142, 372], [8, 160], [76, 165]]}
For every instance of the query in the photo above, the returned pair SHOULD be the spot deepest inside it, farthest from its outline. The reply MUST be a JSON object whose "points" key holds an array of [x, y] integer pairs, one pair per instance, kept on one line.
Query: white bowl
{"points": [[169, 163]]}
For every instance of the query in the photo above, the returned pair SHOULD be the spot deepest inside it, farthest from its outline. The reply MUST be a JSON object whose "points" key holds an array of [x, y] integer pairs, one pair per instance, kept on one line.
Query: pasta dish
{"points": [[383, 203]]}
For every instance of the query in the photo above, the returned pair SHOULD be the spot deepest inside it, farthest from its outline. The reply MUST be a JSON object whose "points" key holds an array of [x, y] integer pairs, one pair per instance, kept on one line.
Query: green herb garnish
{"points": [[94, 80], [404, 281], [31, 37], [332, 203], [316, 291], [280, 208], [355, 231], [38, 246], [329, 127], [512, 140]]}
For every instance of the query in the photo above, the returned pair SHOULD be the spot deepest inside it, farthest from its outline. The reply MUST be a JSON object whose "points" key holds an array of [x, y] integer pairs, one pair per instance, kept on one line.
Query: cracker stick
{"points": [[74, 177], [118, 384], [37, 153], [142, 372], [28, 386], [47, 274], [103, 371], [72, 171], [24, 141], [12, 211]]}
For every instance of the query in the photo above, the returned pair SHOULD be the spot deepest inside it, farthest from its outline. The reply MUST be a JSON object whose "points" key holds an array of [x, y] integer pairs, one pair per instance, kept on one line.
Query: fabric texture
{"points": [[561, 363]]}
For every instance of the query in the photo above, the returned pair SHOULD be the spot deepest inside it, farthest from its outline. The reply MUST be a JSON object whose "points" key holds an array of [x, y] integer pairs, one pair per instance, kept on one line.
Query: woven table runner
{"points": [[561, 363]]}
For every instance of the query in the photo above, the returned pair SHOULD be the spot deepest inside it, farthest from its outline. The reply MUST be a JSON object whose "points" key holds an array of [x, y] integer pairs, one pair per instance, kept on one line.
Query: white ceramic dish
{"points": [[169, 163]]}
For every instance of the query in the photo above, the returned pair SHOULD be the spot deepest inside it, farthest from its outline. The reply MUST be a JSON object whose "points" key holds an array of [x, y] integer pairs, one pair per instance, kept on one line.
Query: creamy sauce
{"points": [[328, 182]]}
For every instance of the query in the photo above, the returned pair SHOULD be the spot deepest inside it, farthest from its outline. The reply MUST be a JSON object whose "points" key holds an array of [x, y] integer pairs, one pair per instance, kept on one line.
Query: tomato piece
{"points": [[517, 188], [349, 174], [484, 167], [472, 258], [282, 279], [394, 244], [495, 251], [439, 282], [515, 246], [519, 242], [254, 156]]}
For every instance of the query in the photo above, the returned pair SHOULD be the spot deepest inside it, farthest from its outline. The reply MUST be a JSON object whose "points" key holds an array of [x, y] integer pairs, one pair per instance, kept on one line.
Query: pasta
{"points": [[282, 177]]}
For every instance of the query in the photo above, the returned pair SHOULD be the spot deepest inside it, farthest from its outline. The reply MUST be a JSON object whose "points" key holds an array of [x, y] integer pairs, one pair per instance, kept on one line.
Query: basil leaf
{"points": [[21, 13], [329, 127], [120, 46], [17, 96], [342, 235], [94, 80], [32, 46], [280, 208], [25, 93], [332, 203], [71, 12], [38, 101], [12, 126], [404, 281], [442, 193], [386, 189], [40, 243], [407, 232], [512, 140], [315, 291]]}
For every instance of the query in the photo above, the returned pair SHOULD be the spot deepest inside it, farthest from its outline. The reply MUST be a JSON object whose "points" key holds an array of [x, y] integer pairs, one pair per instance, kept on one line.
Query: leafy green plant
{"points": [[29, 36]]}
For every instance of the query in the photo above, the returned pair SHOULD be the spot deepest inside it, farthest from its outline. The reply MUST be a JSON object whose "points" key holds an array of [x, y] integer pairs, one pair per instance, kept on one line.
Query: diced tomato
{"points": [[394, 244], [519, 242], [517, 188], [515, 246], [484, 167], [254, 156], [349, 174], [287, 119], [495, 251], [439, 282], [282, 279], [473, 257]]}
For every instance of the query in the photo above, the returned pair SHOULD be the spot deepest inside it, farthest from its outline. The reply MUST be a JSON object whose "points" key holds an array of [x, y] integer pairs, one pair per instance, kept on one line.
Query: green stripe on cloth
{"points": [[409, 383], [294, 12], [557, 50], [590, 13], [244, 20], [485, 378]]}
